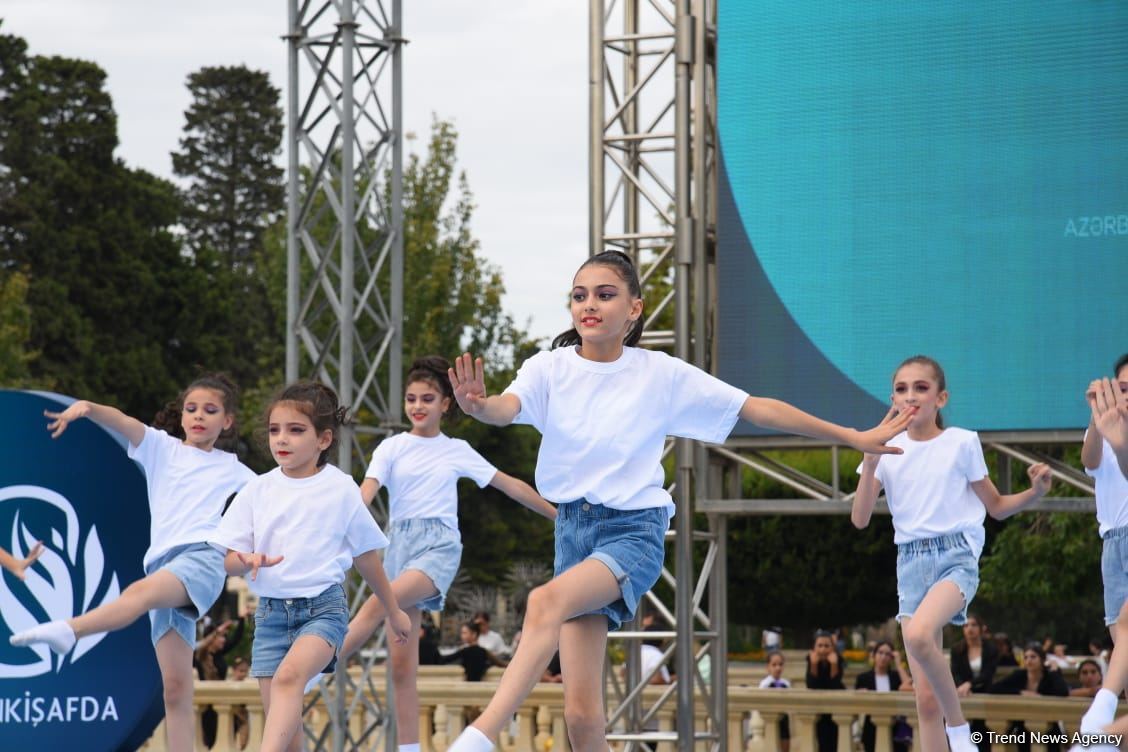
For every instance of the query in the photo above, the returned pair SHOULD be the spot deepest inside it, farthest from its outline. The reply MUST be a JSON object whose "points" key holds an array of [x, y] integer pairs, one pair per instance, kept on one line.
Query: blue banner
{"points": [[86, 500]]}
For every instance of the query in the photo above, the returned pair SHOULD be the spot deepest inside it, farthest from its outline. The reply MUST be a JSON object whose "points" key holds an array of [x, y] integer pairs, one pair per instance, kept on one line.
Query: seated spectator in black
{"points": [[776, 680], [475, 659], [240, 668], [883, 677], [1005, 649], [824, 671], [1090, 677], [552, 674], [429, 646], [1031, 681], [973, 661], [210, 660]]}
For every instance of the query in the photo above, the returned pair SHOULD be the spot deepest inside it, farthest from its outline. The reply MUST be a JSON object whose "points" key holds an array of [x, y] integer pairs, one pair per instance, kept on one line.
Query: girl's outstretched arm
{"points": [[1093, 446], [369, 487], [869, 487], [780, 416], [103, 415], [1109, 406], [1000, 507], [468, 379], [18, 567], [524, 494], [372, 570]]}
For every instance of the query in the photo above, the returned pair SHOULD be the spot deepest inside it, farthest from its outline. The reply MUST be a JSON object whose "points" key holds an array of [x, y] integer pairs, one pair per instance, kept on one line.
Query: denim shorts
{"points": [[279, 622], [1114, 572], [925, 562], [630, 543], [427, 545], [199, 567]]}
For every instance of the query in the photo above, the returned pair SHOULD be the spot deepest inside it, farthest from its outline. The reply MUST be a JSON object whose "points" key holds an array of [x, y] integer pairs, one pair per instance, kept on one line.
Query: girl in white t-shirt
{"points": [[189, 480], [1099, 459], [938, 492], [296, 530], [421, 469], [604, 408]]}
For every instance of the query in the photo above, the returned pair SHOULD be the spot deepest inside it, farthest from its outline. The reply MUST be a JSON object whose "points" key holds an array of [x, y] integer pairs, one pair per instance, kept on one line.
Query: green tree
{"points": [[232, 136], [15, 331], [91, 235]]}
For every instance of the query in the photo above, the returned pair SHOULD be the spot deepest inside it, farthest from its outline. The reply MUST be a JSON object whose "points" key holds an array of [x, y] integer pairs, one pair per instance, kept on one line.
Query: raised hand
{"points": [[1041, 478], [873, 441], [258, 561], [469, 383], [1109, 405], [398, 626], [20, 567], [60, 421]]}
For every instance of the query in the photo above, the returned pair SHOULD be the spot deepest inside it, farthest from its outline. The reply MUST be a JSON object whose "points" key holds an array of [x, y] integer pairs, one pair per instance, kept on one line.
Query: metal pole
{"points": [[293, 38], [395, 356], [595, 127], [683, 239]]}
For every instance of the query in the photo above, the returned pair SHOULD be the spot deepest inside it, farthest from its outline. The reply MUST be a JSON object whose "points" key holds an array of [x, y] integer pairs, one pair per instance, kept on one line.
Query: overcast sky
{"points": [[512, 76]]}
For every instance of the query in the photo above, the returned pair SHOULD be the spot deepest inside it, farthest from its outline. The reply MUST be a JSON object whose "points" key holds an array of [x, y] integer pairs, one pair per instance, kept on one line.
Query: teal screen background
{"points": [[944, 178]]}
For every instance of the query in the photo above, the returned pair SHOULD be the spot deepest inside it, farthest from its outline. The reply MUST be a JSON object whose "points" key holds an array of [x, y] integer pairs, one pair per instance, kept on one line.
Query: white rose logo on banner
{"points": [[69, 579], [87, 502]]}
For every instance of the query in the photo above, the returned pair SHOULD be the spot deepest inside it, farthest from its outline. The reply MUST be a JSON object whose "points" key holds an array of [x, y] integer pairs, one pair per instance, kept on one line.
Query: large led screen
{"points": [[943, 178]]}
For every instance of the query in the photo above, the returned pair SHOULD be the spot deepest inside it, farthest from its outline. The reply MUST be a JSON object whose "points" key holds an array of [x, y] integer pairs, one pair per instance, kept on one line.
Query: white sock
{"points": [[57, 634], [409, 747], [471, 740], [959, 738], [1100, 713]]}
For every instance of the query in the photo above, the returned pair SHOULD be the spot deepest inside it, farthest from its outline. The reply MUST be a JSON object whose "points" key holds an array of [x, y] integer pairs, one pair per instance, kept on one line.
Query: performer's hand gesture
{"points": [[60, 421], [254, 562], [468, 379]]}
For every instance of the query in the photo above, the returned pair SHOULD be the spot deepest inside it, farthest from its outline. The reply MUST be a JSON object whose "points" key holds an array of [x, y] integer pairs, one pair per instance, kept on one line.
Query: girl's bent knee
{"points": [[540, 609]]}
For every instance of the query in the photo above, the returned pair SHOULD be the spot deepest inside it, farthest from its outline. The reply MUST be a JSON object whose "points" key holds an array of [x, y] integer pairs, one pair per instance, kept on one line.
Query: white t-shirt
{"points": [[928, 488], [769, 683], [319, 524], [1112, 491], [187, 489], [881, 682], [493, 642], [604, 424], [421, 475], [649, 657]]}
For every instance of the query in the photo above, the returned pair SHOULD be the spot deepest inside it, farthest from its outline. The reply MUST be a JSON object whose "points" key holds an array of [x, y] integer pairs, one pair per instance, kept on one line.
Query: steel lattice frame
{"points": [[652, 157], [344, 301]]}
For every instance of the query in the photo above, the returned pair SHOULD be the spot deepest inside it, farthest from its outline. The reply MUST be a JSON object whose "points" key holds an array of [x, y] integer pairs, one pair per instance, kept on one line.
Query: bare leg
{"points": [[411, 588], [930, 719], [583, 645], [585, 587], [307, 656], [174, 656], [161, 589], [1117, 677], [923, 642], [405, 669]]}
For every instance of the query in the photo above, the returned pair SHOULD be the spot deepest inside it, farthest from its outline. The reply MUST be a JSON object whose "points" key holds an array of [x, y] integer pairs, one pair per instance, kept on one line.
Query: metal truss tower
{"points": [[652, 147], [344, 240]]}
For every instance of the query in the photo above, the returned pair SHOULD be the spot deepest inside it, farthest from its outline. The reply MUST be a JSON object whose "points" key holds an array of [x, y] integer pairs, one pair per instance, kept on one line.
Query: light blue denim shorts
{"points": [[1114, 572], [630, 543], [925, 562], [428, 545], [279, 622], [199, 567]]}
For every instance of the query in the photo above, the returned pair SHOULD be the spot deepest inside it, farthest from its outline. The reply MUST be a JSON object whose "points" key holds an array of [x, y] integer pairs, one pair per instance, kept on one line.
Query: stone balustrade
{"points": [[447, 703]]}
